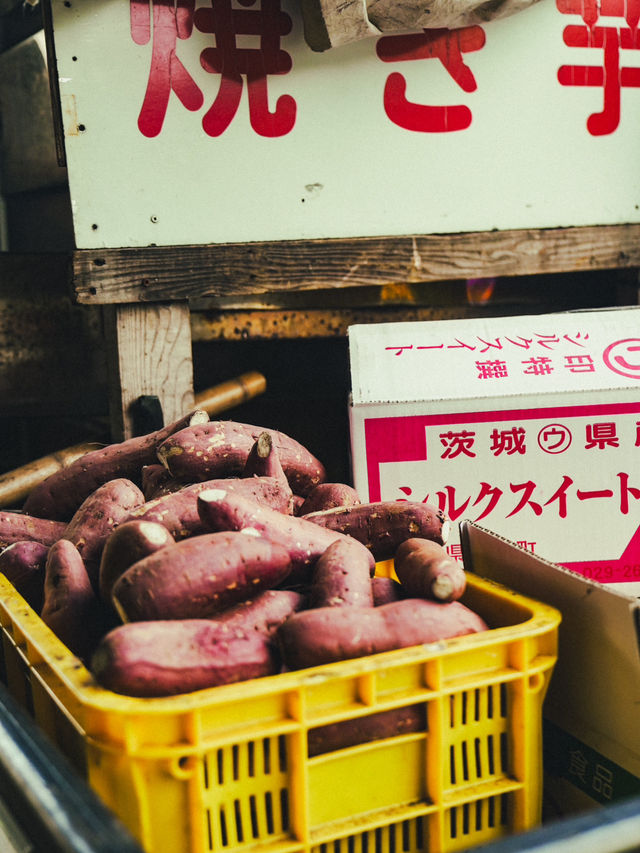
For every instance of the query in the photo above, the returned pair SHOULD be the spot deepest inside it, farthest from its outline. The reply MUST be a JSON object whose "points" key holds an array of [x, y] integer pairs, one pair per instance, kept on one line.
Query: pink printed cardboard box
{"points": [[529, 425]]}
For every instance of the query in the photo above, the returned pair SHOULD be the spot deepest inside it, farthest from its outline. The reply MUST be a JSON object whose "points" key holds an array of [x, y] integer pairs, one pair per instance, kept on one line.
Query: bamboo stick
{"points": [[15, 485], [231, 393]]}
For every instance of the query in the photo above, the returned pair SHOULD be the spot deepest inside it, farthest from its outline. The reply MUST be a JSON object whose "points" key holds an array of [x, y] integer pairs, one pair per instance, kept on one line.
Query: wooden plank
{"points": [[329, 313], [149, 352], [182, 272]]}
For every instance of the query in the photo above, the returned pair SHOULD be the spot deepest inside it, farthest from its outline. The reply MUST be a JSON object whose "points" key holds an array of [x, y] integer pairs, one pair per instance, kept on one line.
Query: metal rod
{"points": [[54, 808]]}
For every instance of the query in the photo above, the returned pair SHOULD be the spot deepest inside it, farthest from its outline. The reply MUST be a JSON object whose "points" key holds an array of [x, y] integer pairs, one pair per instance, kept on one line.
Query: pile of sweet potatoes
{"points": [[211, 552]]}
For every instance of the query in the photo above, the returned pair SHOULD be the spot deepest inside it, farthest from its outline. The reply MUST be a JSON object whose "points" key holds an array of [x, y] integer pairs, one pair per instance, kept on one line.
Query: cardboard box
{"points": [[591, 732], [529, 425]]}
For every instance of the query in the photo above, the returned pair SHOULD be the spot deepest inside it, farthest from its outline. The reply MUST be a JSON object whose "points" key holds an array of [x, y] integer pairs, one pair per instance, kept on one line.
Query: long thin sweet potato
{"points": [[330, 634], [383, 525], [20, 526], [128, 543], [223, 510], [199, 577], [352, 732], [166, 657], [342, 576], [329, 496], [23, 564], [264, 461], [385, 590], [97, 516], [221, 449], [264, 613], [178, 511], [71, 608], [156, 481], [59, 495], [425, 570]]}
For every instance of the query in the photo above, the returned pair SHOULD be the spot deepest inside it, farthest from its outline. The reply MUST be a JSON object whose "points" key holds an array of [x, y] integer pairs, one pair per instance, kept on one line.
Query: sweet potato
{"points": [[96, 518], [156, 481], [199, 577], [342, 576], [71, 608], [128, 543], [383, 525], [385, 590], [330, 634], [23, 564], [352, 732], [220, 509], [178, 511], [221, 449], [167, 657], [59, 495], [328, 496], [298, 500], [20, 526], [264, 461], [425, 570], [264, 613]]}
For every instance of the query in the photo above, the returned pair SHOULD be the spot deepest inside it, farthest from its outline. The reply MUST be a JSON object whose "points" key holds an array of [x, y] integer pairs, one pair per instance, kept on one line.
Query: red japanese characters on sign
{"points": [[502, 368], [445, 45], [487, 498], [552, 438], [609, 40], [476, 343], [165, 23]]}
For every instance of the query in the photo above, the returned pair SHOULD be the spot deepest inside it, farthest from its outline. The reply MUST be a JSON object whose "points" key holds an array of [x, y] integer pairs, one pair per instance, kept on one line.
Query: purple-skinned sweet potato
{"points": [[128, 543], [221, 509], [71, 608], [173, 656], [385, 590], [156, 481], [264, 461], [20, 527], [178, 511], [221, 449], [199, 577], [382, 525], [330, 634], [342, 576], [97, 516], [425, 570], [58, 496], [352, 732], [264, 613], [23, 564], [329, 496]]}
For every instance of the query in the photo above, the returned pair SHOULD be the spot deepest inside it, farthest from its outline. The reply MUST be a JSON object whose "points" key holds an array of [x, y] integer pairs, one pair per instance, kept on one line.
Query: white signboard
{"points": [[212, 121]]}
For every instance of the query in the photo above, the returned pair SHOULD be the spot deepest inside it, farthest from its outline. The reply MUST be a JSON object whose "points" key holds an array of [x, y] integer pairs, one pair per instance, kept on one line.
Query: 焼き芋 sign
{"points": [[527, 425], [212, 121]]}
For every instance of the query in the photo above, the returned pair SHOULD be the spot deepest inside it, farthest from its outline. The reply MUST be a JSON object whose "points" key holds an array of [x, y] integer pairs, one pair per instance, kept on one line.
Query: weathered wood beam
{"points": [[162, 273], [149, 353]]}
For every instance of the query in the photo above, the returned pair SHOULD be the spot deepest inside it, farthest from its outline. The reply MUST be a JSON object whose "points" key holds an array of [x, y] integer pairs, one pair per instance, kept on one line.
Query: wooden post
{"points": [[148, 352]]}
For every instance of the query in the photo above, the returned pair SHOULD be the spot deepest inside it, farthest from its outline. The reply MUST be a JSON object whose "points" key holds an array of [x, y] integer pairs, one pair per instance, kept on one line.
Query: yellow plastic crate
{"points": [[228, 769]]}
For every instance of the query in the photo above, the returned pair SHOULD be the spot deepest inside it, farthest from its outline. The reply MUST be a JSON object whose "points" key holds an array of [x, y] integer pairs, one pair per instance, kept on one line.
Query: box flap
{"points": [[495, 356], [595, 689]]}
